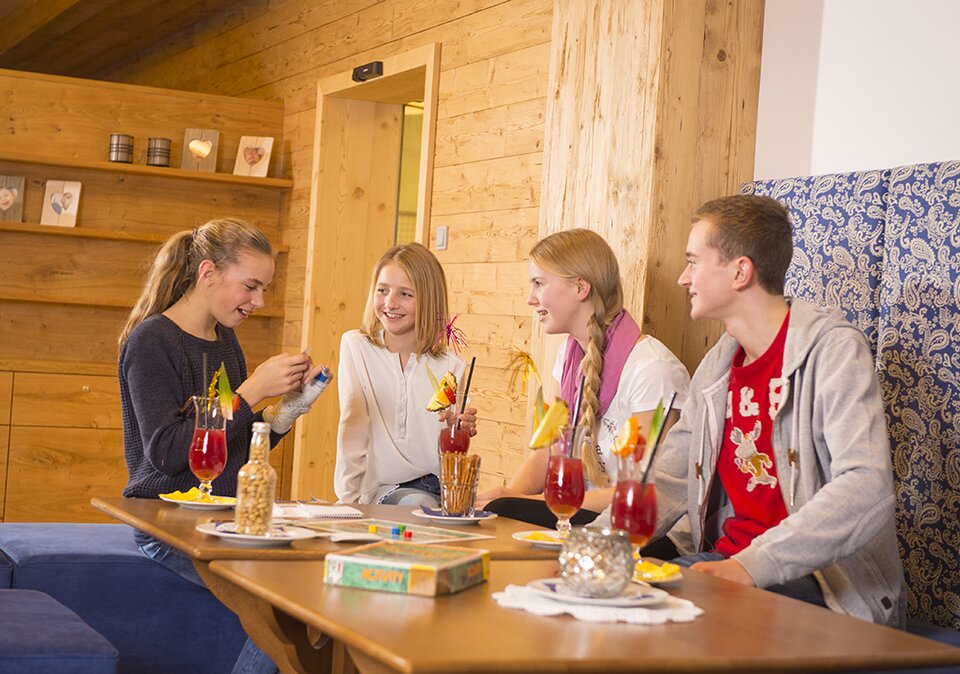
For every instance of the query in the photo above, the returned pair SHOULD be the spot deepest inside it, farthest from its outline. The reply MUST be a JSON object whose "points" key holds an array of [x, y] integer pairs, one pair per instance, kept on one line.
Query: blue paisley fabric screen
{"points": [[885, 247]]}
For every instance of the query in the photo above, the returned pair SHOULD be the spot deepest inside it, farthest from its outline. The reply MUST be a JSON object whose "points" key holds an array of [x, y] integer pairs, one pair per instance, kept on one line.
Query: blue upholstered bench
{"points": [[39, 635], [158, 621]]}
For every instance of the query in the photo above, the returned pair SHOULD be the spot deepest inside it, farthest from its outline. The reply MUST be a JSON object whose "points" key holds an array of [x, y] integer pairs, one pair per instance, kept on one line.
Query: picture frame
{"points": [[11, 198], [253, 156], [61, 202], [200, 148]]}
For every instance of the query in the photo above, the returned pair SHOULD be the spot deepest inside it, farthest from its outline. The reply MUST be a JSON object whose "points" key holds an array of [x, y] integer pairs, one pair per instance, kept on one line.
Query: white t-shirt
{"points": [[650, 375], [386, 435]]}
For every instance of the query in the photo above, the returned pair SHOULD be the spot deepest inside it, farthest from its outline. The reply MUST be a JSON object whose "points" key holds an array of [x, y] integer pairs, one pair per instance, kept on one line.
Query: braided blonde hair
{"points": [[583, 254], [174, 270]]}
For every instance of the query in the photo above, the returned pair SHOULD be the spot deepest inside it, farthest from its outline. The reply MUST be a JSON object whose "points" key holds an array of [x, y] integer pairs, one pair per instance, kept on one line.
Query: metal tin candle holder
{"points": [[121, 148], [158, 152]]}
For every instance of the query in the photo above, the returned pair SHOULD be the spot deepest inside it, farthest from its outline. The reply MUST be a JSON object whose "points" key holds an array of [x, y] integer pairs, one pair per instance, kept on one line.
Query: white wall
{"points": [[848, 85]]}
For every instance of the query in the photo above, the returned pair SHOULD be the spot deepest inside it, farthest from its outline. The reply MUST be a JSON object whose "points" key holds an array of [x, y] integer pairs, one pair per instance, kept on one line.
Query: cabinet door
{"points": [[4, 440], [54, 472], [66, 400]]}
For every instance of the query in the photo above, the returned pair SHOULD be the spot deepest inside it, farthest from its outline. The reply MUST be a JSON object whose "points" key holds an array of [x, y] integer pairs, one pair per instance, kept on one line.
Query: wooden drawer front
{"points": [[66, 400], [4, 439], [54, 472], [6, 390]]}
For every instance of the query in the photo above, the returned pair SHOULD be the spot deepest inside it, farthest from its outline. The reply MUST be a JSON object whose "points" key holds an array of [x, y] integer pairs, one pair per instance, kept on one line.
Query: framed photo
{"points": [[200, 150], [61, 201], [253, 157], [11, 198]]}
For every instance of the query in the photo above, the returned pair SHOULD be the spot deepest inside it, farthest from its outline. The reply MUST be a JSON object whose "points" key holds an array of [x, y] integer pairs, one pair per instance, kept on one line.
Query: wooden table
{"points": [[176, 526], [743, 629]]}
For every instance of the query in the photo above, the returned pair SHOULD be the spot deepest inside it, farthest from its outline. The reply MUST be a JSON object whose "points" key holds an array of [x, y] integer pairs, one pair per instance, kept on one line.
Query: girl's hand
{"points": [[467, 420], [275, 376]]}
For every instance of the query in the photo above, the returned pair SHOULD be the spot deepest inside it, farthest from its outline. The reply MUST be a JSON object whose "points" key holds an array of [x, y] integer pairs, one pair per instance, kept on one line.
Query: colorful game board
{"points": [[385, 528]]}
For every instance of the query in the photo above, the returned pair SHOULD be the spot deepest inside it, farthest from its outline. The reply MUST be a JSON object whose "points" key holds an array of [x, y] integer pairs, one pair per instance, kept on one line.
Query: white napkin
{"points": [[673, 609]]}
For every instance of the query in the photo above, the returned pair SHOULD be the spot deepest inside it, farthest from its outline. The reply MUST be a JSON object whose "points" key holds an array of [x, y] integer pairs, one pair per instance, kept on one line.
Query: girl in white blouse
{"points": [[387, 440]]}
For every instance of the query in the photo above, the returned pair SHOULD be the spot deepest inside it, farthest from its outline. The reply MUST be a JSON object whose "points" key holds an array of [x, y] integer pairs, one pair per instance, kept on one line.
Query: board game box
{"points": [[408, 568]]}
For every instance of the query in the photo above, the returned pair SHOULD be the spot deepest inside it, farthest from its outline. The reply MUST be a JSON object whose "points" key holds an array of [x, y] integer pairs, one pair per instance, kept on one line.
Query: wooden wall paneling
{"points": [[75, 401], [509, 78], [492, 289], [87, 112], [487, 236], [503, 131], [4, 454], [54, 472], [6, 396], [69, 271], [669, 126], [502, 183], [727, 122], [57, 333]]}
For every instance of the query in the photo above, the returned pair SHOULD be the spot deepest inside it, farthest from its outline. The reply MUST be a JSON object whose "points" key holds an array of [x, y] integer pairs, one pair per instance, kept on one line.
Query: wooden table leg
{"points": [[283, 638]]}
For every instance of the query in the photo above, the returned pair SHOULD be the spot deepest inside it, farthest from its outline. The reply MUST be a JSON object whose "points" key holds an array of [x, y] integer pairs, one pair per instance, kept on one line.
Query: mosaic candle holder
{"points": [[596, 562]]}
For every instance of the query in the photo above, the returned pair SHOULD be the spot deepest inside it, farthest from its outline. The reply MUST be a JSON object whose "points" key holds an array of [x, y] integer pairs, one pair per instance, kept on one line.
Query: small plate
{"points": [[662, 580], [632, 595], [216, 502], [280, 534], [440, 518], [548, 540]]}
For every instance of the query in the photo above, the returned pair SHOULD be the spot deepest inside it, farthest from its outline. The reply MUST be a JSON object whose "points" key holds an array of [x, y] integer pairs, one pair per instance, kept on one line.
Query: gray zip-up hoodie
{"points": [[832, 456]]}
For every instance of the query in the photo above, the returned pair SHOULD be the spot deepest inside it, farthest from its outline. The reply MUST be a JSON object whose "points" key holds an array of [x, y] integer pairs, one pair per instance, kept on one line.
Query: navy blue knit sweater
{"points": [[160, 367]]}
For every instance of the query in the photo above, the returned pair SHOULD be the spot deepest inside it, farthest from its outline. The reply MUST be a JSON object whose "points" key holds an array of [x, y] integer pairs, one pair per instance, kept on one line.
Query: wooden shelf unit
{"points": [[66, 291], [144, 170]]}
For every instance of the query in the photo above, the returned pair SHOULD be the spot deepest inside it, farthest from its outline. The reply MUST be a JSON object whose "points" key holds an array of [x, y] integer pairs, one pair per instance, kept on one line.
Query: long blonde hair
{"points": [[174, 270], [581, 253], [430, 288]]}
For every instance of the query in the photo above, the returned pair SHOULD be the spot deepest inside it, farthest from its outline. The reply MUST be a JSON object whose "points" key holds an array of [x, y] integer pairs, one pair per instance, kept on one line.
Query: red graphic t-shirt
{"points": [[746, 465]]}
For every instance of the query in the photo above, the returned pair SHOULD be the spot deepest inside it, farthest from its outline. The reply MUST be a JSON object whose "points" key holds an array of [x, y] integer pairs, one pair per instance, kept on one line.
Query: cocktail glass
{"points": [[208, 448], [564, 486], [634, 506]]}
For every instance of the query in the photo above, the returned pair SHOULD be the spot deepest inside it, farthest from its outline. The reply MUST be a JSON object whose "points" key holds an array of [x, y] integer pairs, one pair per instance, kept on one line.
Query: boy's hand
{"points": [[730, 569]]}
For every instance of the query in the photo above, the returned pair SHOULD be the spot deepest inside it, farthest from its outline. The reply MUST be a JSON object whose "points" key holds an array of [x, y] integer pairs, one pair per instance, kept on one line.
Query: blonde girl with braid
{"points": [[575, 290]]}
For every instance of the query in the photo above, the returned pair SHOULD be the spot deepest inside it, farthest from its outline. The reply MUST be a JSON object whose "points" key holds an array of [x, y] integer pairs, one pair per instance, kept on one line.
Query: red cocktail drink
{"points": [[634, 509], [564, 486], [208, 453], [455, 439]]}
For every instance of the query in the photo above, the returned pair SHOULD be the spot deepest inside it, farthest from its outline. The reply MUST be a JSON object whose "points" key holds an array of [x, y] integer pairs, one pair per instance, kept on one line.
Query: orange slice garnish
{"points": [[628, 437]]}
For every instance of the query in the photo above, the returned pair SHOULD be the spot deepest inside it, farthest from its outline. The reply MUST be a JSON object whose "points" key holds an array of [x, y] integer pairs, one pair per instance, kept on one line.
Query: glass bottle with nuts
{"points": [[256, 486]]}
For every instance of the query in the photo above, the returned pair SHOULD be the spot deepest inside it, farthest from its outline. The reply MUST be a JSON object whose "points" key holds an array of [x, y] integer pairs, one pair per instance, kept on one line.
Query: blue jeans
{"points": [[421, 491], [251, 659], [805, 588]]}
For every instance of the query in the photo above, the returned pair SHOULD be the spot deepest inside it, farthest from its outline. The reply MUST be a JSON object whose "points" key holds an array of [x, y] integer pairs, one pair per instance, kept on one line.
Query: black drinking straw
{"points": [[466, 388], [576, 403], [656, 444]]}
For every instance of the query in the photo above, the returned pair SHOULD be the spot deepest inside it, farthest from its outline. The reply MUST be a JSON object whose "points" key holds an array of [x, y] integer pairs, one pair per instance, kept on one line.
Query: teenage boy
{"points": [[781, 457]]}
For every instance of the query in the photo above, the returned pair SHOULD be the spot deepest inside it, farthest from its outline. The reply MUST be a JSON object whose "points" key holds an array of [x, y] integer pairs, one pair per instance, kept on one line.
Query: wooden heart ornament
{"points": [[60, 201], [253, 154], [200, 148]]}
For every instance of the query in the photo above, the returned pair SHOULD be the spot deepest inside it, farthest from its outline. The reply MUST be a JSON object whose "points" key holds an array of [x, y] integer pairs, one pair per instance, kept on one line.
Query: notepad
{"points": [[298, 510]]}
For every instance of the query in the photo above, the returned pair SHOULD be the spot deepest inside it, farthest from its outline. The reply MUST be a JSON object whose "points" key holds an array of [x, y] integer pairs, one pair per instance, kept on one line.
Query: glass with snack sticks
{"points": [[564, 485], [208, 447]]}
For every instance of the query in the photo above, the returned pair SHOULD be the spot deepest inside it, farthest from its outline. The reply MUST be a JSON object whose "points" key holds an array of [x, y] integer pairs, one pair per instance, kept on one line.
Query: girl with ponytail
{"points": [[576, 290], [202, 284]]}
